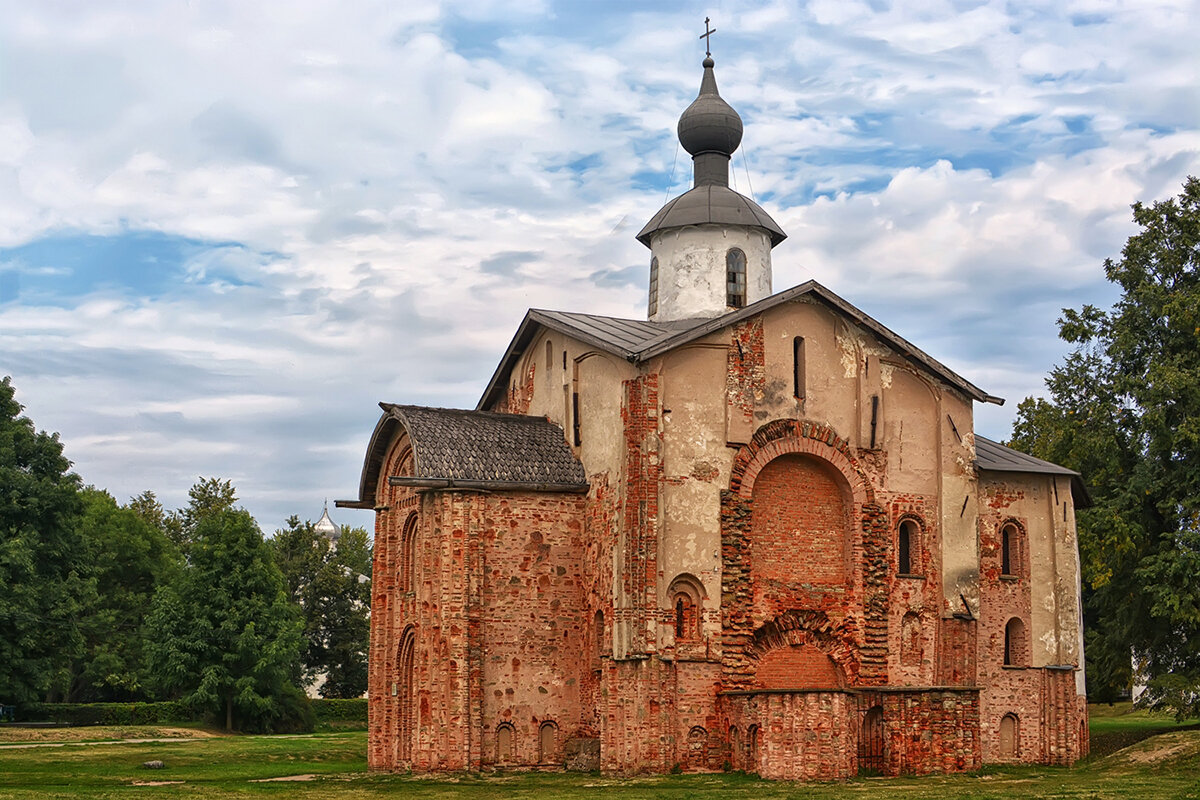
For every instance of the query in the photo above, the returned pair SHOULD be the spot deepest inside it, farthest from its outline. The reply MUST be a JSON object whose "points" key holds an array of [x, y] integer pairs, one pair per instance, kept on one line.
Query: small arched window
{"points": [[908, 548], [1010, 549], [685, 613], [735, 278], [653, 304], [752, 746], [408, 555], [686, 595], [1015, 646]]}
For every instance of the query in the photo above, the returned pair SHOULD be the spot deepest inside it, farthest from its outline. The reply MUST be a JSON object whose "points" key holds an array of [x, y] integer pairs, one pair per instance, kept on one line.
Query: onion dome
{"points": [[710, 125], [326, 527], [711, 131]]}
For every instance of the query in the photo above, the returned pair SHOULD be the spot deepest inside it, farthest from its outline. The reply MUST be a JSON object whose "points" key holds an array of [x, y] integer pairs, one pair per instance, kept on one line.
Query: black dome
{"points": [[710, 125]]}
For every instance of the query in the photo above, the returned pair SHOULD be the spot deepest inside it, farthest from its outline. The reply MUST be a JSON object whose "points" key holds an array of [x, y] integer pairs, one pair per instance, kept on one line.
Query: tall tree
{"points": [[129, 557], [44, 576], [342, 603], [227, 639], [1124, 409], [330, 584]]}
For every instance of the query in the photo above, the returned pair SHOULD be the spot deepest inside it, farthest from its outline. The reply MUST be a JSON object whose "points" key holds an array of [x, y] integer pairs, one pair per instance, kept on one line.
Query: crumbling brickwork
{"points": [[814, 635]]}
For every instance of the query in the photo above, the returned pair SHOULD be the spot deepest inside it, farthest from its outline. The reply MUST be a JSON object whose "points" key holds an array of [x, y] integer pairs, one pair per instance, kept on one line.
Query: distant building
{"points": [[753, 529]]}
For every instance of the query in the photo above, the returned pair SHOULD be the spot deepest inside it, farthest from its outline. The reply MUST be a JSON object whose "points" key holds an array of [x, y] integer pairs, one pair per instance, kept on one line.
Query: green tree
{"points": [[44, 575], [226, 637], [1124, 409], [207, 496], [330, 584], [342, 603], [129, 558]]}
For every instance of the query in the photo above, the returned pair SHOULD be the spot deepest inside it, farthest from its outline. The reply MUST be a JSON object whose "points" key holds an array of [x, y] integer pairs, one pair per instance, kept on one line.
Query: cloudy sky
{"points": [[227, 230]]}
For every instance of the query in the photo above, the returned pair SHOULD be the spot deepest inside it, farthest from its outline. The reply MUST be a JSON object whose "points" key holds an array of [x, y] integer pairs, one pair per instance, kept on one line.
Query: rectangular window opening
{"points": [[798, 367]]}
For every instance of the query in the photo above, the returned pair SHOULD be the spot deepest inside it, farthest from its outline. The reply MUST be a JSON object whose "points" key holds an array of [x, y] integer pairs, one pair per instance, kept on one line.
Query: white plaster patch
{"points": [[849, 348], [885, 375]]}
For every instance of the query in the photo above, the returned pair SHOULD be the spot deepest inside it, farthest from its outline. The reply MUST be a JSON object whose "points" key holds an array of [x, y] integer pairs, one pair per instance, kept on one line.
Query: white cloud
{"points": [[369, 159]]}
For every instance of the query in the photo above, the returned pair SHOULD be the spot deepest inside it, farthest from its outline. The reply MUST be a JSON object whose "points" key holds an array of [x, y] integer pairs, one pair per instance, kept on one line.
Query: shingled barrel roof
{"points": [[457, 448]]}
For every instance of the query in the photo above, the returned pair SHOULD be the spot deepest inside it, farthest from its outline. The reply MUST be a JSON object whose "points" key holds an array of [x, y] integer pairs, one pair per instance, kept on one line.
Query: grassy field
{"points": [[327, 764]]}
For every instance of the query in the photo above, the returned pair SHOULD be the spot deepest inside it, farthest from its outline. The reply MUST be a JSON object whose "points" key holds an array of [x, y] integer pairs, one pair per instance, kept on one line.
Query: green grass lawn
{"points": [[1166, 766], [1119, 725]]}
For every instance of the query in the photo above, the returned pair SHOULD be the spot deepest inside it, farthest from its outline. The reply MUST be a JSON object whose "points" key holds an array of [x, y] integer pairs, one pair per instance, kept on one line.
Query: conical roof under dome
{"points": [[326, 527]]}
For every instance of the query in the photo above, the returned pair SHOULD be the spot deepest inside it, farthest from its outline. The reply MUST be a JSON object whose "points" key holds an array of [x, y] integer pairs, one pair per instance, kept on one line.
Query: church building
{"points": [[753, 531]]}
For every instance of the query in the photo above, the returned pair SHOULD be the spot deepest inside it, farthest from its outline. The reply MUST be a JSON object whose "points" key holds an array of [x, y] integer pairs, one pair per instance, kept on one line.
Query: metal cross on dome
{"points": [[705, 36]]}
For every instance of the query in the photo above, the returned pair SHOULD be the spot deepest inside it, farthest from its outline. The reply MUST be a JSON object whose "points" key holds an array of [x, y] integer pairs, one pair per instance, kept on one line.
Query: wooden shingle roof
{"points": [[459, 449]]}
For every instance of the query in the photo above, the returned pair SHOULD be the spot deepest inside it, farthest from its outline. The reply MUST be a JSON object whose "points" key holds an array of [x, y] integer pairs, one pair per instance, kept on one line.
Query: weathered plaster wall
{"points": [[691, 268], [695, 468]]}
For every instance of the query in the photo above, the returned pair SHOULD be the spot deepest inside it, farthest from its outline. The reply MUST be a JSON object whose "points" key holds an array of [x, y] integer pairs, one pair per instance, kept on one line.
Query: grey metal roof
{"points": [[640, 340], [711, 203], [459, 447], [628, 337], [995, 457], [1001, 458]]}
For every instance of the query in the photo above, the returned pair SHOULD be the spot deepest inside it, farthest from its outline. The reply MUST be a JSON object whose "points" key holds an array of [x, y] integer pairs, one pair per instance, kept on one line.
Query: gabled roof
{"points": [[995, 457], [640, 340], [458, 448]]}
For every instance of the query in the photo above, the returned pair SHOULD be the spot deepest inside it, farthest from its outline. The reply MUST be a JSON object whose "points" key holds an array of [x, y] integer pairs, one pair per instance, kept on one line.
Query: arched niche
{"points": [[801, 532]]}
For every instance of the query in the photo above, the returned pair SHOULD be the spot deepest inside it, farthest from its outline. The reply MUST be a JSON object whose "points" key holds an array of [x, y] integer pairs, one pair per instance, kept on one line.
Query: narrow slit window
{"points": [[735, 278], [908, 536], [798, 367], [1010, 537], [576, 430], [653, 304]]}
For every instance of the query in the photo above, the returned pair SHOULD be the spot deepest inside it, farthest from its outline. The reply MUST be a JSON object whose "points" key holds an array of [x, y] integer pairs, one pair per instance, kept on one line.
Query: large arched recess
{"points": [[800, 532], [856, 563]]}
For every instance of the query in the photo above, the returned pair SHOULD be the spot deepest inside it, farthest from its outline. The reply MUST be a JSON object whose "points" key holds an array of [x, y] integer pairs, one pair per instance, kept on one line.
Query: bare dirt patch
{"points": [[155, 783], [306, 777], [1159, 749]]}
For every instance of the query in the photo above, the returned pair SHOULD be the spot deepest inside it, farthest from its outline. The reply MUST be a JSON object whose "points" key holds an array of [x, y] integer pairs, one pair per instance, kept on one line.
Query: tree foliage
{"points": [[44, 576], [1124, 410], [330, 583], [226, 638], [130, 558], [208, 496]]}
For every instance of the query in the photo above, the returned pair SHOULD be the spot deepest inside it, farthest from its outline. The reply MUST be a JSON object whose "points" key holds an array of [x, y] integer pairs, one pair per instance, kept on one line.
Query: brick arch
{"points": [[798, 437], [803, 629], [868, 524]]}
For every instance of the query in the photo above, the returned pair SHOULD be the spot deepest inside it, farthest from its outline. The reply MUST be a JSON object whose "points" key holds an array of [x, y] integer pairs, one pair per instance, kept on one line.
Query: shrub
{"points": [[352, 710], [161, 713]]}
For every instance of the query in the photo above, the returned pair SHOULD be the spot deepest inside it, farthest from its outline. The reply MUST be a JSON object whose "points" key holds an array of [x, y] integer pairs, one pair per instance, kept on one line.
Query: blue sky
{"points": [[227, 230]]}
